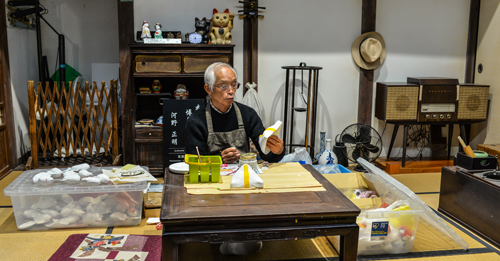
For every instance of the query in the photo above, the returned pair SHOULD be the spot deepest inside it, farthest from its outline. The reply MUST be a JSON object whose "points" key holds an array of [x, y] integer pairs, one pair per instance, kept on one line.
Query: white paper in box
{"points": [[77, 205]]}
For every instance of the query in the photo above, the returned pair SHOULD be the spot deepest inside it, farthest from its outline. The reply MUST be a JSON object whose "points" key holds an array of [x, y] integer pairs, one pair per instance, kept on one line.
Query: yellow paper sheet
{"points": [[279, 177]]}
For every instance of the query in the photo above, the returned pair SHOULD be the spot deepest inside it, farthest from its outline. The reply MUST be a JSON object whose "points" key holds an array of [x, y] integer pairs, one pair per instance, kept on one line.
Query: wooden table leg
{"points": [[394, 133], [170, 249], [404, 145], [450, 136], [349, 245]]}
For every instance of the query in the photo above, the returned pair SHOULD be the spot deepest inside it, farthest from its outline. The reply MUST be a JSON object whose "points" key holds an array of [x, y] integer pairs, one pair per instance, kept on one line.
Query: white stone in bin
{"points": [[84, 173], [79, 167]]}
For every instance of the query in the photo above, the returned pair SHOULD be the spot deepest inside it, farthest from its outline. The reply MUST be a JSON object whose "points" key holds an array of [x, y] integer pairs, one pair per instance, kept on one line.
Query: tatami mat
{"points": [[5, 200], [429, 243], [420, 183]]}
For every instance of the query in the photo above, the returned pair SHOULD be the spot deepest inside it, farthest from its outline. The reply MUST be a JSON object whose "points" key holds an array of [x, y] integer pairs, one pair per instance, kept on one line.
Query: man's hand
{"points": [[275, 144], [230, 155]]}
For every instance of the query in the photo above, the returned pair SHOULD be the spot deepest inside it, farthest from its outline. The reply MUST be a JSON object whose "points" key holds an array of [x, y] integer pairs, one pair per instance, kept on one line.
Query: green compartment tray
{"points": [[206, 171]]}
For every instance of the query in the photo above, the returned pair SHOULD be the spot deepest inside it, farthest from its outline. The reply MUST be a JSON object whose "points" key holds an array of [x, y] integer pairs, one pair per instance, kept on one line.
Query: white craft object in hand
{"points": [[79, 167], [85, 173], [238, 180], [273, 130]]}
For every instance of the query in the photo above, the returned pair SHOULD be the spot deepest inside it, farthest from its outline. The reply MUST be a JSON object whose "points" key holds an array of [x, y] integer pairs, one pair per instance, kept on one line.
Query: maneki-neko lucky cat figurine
{"points": [[222, 24]]}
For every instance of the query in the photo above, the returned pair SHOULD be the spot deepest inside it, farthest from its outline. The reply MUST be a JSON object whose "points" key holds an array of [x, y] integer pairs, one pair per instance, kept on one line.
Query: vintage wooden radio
{"points": [[431, 100]]}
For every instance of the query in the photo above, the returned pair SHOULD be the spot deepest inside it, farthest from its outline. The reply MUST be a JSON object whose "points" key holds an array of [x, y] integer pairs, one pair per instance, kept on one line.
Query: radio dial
{"points": [[441, 116], [434, 116], [448, 116], [427, 116]]}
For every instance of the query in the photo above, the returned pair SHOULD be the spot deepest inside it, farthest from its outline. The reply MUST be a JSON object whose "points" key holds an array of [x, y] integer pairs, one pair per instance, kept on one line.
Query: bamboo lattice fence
{"points": [[72, 122]]}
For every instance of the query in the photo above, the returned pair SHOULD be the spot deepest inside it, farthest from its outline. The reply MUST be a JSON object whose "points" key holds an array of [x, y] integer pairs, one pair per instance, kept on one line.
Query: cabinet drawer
{"points": [[149, 134], [158, 63], [199, 63]]}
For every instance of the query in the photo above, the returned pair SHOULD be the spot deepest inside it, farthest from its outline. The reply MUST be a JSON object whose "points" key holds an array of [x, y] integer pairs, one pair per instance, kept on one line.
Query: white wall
{"points": [[90, 28], [91, 35], [23, 67], [488, 51], [423, 38]]}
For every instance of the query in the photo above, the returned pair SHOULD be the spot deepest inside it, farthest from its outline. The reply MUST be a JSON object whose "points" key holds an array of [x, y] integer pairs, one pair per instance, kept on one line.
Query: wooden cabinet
{"points": [[172, 65]]}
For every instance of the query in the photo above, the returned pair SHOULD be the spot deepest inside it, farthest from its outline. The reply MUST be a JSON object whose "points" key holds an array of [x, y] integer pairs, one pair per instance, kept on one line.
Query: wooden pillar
{"points": [[126, 37], [7, 126], [250, 48], [366, 76], [470, 59]]}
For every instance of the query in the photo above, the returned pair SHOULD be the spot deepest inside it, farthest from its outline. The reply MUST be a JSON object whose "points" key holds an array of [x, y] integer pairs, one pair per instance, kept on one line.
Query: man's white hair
{"points": [[212, 70]]}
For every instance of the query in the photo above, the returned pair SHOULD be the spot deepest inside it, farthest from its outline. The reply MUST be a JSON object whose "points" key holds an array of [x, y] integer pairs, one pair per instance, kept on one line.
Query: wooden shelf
{"points": [[144, 145], [164, 75], [153, 94]]}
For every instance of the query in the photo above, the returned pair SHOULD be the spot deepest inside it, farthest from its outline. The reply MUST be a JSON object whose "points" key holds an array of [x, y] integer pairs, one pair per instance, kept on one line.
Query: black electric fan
{"points": [[363, 141]]}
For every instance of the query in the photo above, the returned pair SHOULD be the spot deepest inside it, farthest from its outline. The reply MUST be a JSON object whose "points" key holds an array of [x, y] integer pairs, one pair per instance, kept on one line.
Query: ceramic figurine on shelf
{"points": [[221, 28], [170, 35], [181, 93], [146, 33], [158, 33], [156, 86], [203, 27]]}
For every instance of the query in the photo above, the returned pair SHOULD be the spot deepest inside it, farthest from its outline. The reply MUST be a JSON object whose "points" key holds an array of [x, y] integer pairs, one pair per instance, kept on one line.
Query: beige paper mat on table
{"points": [[279, 177]]}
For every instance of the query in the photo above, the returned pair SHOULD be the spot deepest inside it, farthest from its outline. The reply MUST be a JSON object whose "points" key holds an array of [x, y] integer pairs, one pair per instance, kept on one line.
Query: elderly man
{"points": [[224, 127]]}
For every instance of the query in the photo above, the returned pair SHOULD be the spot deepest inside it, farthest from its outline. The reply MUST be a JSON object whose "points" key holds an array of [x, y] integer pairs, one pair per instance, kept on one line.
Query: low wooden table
{"points": [[256, 217]]}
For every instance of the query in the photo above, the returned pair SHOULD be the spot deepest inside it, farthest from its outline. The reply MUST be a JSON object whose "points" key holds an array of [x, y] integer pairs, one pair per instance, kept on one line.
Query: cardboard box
{"points": [[62, 205], [347, 182], [464, 161]]}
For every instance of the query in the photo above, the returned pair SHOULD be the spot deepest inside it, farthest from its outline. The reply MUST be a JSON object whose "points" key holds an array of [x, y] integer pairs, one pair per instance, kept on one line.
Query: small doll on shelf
{"points": [[146, 33], [158, 33]]}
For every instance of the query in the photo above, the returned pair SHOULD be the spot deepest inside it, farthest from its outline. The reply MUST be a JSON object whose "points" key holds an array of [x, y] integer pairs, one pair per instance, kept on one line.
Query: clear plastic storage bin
{"points": [[62, 205]]}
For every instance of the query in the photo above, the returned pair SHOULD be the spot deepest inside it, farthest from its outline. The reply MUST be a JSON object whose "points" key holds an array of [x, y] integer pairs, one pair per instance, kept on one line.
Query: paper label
{"points": [[379, 230], [162, 41]]}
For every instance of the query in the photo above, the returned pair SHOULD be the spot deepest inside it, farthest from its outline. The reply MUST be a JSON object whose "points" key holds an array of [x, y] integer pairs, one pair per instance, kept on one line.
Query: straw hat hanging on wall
{"points": [[368, 50]]}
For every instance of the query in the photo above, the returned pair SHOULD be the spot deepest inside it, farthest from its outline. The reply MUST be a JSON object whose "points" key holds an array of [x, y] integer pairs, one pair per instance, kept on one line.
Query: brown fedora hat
{"points": [[368, 50]]}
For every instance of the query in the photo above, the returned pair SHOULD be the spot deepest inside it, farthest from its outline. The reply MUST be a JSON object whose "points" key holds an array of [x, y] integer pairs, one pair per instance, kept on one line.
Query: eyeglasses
{"points": [[226, 86]]}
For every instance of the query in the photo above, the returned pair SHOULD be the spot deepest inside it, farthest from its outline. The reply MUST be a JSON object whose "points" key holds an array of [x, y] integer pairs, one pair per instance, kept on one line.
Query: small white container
{"points": [[63, 205]]}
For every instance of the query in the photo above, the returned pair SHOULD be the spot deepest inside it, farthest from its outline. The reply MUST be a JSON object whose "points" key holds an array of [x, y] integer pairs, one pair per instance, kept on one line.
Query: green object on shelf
{"points": [[71, 74], [480, 154], [206, 171]]}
